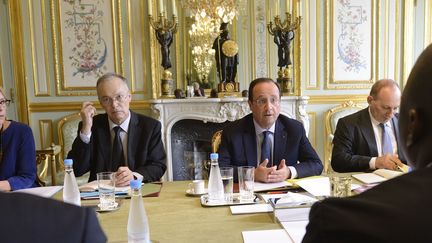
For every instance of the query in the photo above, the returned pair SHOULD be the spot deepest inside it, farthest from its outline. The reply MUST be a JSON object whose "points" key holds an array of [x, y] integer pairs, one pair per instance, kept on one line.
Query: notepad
{"points": [[377, 176], [93, 186]]}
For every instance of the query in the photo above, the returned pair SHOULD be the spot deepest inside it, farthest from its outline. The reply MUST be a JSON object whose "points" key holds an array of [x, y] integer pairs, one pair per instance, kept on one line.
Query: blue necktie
{"points": [[387, 147], [266, 147], [117, 158]]}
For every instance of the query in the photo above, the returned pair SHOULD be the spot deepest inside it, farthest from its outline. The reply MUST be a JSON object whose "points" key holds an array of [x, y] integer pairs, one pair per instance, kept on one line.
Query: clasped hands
{"points": [[388, 161], [272, 174], [123, 176]]}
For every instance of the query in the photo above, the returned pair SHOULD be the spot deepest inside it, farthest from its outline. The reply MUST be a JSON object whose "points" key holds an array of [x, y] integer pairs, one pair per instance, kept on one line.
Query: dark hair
{"points": [[380, 84], [258, 81], [111, 76]]}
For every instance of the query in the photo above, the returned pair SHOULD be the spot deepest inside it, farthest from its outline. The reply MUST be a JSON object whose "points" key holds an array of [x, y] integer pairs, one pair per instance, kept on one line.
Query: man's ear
{"points": [[414, 128]]}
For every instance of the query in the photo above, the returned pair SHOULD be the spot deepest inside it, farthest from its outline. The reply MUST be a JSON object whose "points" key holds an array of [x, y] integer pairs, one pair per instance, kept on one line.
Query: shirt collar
{"points": [[124, 126], [259, 130], [375, 122]]}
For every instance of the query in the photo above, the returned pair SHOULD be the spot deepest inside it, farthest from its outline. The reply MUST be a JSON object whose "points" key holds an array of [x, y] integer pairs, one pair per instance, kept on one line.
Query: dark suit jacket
{"points": [[398, 210], [28, 218], [239, 147], [146, 154], [354, 142]]}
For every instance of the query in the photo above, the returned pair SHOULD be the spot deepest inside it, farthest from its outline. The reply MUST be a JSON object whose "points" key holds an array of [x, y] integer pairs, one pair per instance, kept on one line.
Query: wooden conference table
{"points": [[175, 217]]}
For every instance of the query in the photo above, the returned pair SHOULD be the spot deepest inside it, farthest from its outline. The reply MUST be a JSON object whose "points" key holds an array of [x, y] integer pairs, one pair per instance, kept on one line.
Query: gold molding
{"points": [[1, 74], [312, 128], [36, 80], [408, 44], [331, 99], [428, 24], [386, 33], [43, 140], [348, 84], [61, 90], [76, 106], [308, 40], [17, 46]]}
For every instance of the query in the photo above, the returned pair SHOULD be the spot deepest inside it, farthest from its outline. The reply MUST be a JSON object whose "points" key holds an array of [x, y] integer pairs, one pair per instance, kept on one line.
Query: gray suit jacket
{"points": [[354, 142], [146, 154]]}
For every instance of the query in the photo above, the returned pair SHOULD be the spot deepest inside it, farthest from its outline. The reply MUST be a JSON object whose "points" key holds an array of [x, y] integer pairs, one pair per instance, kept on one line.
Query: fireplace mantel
{"points": [[217, 110]]}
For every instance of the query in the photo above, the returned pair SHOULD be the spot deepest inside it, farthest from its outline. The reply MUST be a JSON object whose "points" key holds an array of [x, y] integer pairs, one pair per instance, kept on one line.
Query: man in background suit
{"points": [[397, 210], [291, 154], [140, 152], [358, 140], [28, 218]]}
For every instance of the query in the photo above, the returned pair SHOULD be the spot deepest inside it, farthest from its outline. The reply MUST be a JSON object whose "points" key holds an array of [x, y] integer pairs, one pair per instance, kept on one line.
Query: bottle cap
{"points": [[214, 156], [135, 184], [68, 162]]}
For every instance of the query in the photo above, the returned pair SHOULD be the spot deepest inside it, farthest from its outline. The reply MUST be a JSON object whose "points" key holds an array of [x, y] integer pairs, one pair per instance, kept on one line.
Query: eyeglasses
{"points": [[4, 102], [263, 101], [108, 100]]}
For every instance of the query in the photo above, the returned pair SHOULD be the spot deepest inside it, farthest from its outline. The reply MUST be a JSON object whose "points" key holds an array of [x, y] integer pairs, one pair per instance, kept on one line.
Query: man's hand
{"points": [[388, 161], [282, 173], [272, 174], [87, 112], [123, 176]]}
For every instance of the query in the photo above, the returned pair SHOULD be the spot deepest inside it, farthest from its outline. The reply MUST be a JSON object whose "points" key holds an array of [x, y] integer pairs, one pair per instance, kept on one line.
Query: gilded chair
{"points": [[216, 139], [332, 117], [46, 158], [67, 132]]}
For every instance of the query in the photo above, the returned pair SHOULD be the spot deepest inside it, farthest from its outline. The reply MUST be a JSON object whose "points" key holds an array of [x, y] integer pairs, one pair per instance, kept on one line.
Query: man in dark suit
{"points": [[359, 143], [397, 210], [290, 154], [28, 218], [119, 140]]}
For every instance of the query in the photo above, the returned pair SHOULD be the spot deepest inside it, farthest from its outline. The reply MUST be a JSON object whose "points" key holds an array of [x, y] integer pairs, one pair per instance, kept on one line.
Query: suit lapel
{"points": [[395, 124], [133, 136], [249, 143], [368, 133], [104, 144], [280, 142]]}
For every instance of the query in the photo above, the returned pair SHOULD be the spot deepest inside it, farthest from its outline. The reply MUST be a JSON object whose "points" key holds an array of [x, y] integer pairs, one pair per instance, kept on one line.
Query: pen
{"points": [[277, 192]]}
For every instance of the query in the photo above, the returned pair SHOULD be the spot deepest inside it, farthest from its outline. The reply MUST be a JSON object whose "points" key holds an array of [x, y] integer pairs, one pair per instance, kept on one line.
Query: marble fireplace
{"points": [[188, 125]]}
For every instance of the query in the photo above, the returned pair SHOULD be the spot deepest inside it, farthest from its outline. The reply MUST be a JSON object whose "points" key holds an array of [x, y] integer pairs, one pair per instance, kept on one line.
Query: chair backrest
{"points": [[67, 130], [332, 117], [216, 139]]}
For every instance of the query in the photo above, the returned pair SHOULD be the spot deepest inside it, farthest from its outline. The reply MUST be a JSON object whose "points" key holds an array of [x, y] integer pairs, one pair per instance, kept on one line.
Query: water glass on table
{"points": [[106, 188], [227, 174], [340, 186], [246, 183]]}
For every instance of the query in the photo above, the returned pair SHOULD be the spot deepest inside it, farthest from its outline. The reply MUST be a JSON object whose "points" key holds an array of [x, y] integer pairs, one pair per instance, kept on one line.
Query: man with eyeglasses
{"points": [[369, 139], [275, 144], [119, 140]]}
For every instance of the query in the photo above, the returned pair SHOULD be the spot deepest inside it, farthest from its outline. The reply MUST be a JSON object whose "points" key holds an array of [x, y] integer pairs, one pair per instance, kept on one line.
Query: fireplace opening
{"points": [[191, 148]]}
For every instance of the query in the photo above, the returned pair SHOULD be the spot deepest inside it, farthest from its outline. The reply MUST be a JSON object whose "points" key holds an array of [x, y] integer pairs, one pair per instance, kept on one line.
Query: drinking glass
{"points": [[106, 187], [340, 186], [246, 183], [227, 174]]}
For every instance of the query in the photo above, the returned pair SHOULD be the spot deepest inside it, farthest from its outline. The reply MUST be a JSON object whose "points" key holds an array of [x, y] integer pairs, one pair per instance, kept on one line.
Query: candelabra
{"points": [[165, 31], [283, 33]]}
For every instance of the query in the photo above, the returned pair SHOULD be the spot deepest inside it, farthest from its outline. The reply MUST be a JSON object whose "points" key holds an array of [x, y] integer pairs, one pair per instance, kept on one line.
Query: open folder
{"points": [[147, 190], [377, 176]]}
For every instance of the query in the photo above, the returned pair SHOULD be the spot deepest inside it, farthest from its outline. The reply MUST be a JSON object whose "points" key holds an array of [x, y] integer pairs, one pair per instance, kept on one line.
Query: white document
{"points": [[377, 176], [251, 208], [93, 186], [316, 186], [44, 191], [261, 236], [296, 229], [292, 214], [258, 186]]}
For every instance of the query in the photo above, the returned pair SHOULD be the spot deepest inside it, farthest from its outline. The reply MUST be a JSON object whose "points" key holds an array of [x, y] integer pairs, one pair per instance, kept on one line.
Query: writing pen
{"points": [[277, 192]]}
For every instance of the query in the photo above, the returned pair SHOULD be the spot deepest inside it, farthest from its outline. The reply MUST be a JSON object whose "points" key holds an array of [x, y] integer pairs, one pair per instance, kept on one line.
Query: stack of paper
{"points": [[377, 176]]}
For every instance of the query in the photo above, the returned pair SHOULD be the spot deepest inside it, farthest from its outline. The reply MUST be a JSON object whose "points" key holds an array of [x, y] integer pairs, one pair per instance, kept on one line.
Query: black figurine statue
{"points": [[283, 41], [226, 55], [165, 39]]}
